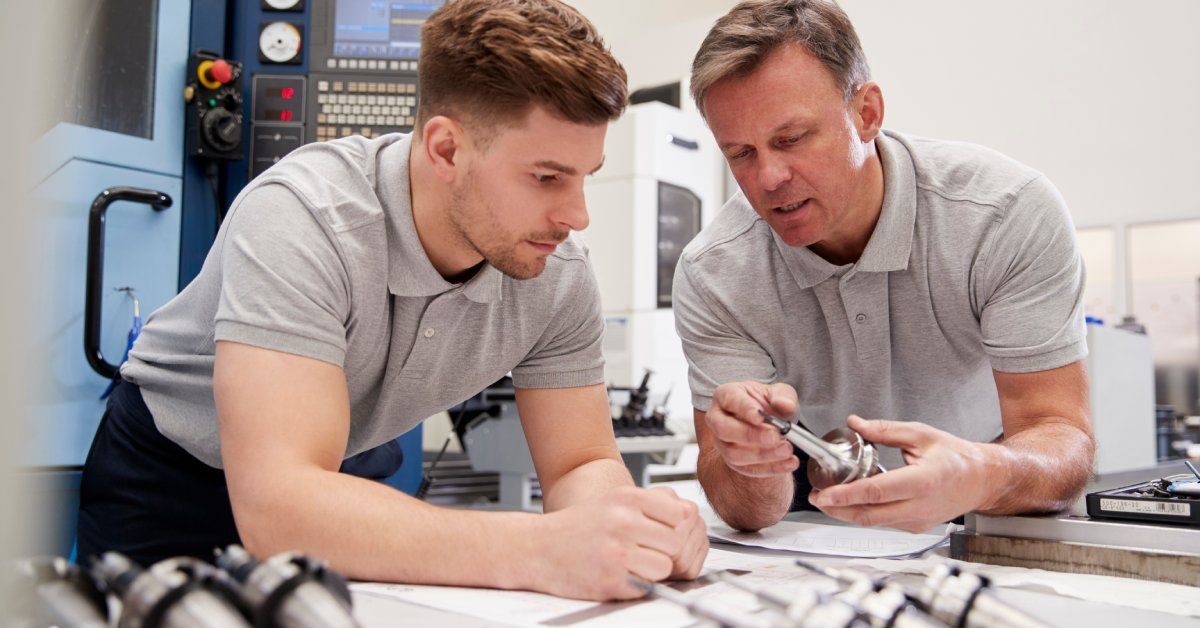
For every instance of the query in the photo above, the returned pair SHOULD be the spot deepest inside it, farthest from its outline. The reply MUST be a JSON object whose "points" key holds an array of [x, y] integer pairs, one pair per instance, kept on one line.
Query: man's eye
{"points": [[790, 140], [740, 154], [545, 178]]}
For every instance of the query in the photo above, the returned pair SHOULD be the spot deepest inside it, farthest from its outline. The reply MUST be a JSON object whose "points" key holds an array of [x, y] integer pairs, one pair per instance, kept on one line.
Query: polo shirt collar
{"points": [[410, 273], [891, 241]]}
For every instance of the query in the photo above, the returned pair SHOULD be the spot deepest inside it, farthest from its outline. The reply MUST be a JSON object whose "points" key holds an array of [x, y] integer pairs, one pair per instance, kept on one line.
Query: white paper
{"points": [[523, 608], [832, 540], [519, 608]]}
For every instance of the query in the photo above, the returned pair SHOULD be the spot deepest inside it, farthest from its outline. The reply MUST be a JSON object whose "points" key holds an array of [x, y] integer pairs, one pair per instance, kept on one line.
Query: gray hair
{"points": [[742, 38]]}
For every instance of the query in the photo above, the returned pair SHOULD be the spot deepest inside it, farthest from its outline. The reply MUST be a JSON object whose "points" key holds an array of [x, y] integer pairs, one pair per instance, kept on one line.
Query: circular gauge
{"points": [[281, 5], [279, 42]]}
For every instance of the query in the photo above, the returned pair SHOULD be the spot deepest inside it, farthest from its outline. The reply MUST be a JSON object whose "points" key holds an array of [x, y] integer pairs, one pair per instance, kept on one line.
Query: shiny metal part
{"points": [[840, 457], [174, 593], [877, 602], [795, 609], [290, 590], [700, 607], [962, 599], [50, 591]]}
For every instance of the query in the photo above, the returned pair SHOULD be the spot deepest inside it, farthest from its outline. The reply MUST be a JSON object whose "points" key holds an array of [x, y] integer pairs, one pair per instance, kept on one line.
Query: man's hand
{"points": [[591, 550], [946, 476], [745, 442]]}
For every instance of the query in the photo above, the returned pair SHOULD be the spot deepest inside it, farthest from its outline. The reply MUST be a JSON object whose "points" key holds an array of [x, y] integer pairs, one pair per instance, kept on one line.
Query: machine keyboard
{"points": [[367, 108]]}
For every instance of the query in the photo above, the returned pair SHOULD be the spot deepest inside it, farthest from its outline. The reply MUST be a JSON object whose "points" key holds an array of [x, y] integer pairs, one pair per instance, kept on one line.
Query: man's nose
{"points": [[773, 172], [572, 212]]}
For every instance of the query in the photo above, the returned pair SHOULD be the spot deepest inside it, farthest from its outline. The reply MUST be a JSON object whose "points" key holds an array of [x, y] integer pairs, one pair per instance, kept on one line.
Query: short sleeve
{"points": [[718, 350], [569, 353], [283, 285], [1030, 285]]}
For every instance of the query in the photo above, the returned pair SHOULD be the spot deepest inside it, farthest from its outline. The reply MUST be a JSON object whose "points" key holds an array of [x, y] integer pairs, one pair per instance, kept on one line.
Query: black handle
{"points": [[93, 299], [683, 142]]}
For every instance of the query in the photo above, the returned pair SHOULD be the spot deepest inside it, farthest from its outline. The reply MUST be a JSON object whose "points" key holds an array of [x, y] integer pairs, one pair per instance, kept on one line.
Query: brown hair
{"points": [[741, 39], [486, 62]]}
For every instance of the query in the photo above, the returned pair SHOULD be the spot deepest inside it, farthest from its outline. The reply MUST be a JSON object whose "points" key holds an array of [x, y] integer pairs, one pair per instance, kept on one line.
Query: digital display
{"points": [[278, 99], [280, 115], [371, 29]]}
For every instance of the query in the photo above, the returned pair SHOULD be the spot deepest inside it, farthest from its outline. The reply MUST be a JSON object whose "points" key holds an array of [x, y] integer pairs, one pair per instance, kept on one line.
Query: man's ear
{"points": [[867, 108], [442, 140]]}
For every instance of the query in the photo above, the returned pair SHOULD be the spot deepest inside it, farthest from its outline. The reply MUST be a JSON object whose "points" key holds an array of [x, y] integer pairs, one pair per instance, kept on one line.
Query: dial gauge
{"points": [[281, 5], [279, 42]]}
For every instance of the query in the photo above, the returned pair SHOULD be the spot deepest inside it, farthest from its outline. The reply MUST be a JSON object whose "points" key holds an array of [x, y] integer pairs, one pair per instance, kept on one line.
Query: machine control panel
{"points": [[327, 69], [363, 69], [364, 107], [214, 98], [277, 125]]}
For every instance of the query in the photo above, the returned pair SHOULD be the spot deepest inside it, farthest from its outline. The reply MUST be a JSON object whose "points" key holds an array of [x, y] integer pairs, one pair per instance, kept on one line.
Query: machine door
{"points": [[120, 125], [678, 223]]}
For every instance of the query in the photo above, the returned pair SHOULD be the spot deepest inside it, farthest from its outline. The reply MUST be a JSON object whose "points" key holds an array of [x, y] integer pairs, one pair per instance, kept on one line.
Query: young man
{"points": [[360, 286], [934, 285]]}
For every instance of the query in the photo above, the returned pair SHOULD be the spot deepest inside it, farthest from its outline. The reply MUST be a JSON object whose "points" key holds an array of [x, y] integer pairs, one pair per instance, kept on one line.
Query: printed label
{"points": [[1150, 508]]}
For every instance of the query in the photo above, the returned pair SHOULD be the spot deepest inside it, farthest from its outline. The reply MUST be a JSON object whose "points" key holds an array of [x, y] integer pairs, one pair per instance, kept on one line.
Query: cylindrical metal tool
{"points": [[49, 591], [880, 603], [961, 599], [174, 593], [701, 607], [290, 590], [841, 456]]}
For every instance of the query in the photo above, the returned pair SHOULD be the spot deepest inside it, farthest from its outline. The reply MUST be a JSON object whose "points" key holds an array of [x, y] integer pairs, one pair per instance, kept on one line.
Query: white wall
{"points": [[1101, 95]]}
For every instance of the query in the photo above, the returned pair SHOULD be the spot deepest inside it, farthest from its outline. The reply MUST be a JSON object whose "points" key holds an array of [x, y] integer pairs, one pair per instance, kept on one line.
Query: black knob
{"points": [[222, 129], [231, 101]]}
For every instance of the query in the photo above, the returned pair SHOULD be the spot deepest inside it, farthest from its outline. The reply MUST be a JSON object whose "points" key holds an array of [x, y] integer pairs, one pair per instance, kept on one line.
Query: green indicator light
{"points": [[212, 102]]}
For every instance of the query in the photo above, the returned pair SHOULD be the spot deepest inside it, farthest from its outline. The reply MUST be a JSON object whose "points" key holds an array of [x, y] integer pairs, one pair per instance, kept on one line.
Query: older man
{"points": [[932, 286]]}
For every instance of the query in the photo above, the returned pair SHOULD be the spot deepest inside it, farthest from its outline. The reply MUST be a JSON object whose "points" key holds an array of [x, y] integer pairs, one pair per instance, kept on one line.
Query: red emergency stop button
{"points": [[213, 74], [221, 71]]}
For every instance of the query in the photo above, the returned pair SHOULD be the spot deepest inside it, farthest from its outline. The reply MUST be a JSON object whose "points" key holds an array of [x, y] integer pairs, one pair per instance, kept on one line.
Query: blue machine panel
{"points": [[142, 252], [100, 145], [73, 164], [163, 151]]}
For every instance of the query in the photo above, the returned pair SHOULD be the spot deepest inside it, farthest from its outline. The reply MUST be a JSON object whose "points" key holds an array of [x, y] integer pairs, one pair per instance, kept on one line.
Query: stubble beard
{"points": [[481, 230]]}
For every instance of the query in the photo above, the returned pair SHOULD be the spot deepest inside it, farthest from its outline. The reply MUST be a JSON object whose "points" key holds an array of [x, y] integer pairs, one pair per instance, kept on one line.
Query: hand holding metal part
{"points": [[840, 457]]}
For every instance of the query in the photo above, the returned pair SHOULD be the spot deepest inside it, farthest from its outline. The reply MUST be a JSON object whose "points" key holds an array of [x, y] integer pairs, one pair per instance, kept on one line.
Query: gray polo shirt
{"points": [[973, 266], [319, 257]]}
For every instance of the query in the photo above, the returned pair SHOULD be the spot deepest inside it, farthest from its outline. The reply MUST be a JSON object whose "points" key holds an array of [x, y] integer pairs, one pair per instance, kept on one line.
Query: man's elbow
{"points": [[745, 520], [267, 517], [1078, 458], [259, 529], [1080, 473], [746, 514]]}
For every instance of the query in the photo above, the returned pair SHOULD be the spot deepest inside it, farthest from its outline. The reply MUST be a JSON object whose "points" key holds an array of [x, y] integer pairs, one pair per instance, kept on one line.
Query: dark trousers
{"points": [[148, 498]]}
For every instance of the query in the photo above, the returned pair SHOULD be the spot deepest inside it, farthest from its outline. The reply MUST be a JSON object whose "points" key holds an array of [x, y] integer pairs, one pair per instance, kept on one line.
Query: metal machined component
{"points": [[962, 599], [795, 609], [50, 591], [880, 603], [840, 457], [174, 593], [700, 607], [289, 590]]}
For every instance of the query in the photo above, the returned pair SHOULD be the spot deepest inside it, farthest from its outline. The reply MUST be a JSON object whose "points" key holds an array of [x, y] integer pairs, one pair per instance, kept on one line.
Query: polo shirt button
{"points": [[429, 332], [862, 318]]}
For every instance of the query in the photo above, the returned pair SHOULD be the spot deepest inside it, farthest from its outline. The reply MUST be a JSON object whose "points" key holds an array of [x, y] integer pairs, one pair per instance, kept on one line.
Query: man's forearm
{"points": [[745, 503], [1041, 469], [369, 531], [586, 482]]}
